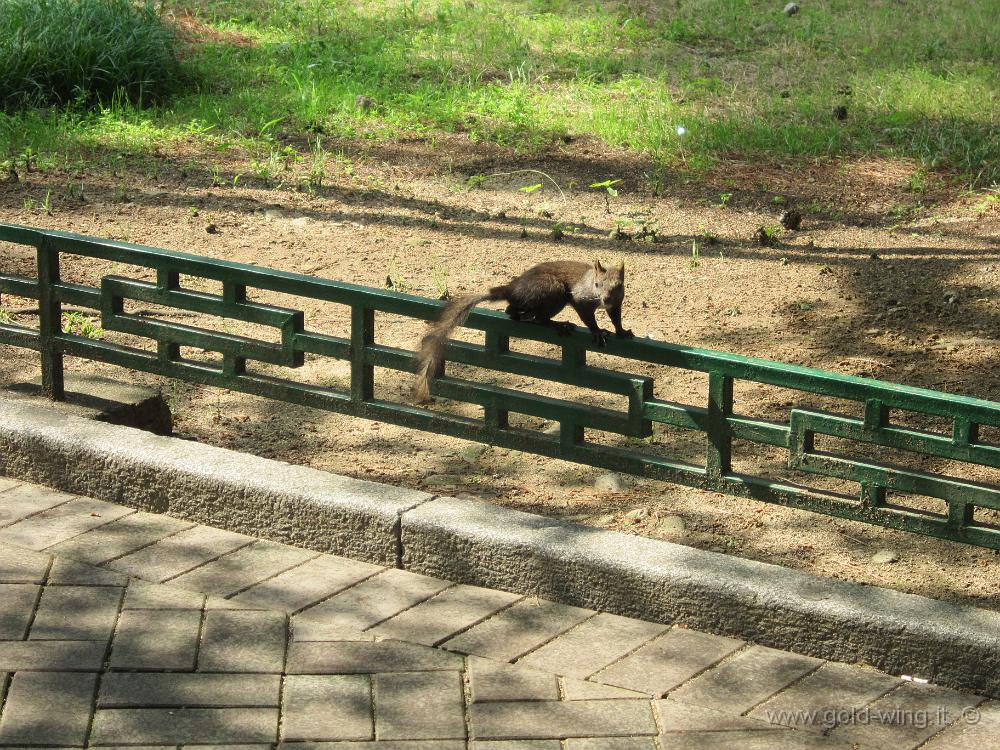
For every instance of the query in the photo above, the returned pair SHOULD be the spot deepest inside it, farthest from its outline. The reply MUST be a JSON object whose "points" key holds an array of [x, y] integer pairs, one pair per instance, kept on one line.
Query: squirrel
{"points": [[535, 296]]}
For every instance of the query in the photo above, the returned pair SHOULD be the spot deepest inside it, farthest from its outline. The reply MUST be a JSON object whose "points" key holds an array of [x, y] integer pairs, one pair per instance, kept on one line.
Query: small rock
{"points": [[885, 556], [635, 515], [471, 453], [654, 335], [791, 9], [672, 526], [552, 429], [610, 482], [437, 480], [211, 229]]}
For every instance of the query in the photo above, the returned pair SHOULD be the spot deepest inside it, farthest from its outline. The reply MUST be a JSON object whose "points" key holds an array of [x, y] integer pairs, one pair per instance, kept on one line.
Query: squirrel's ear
{"points": [[620, 268], [598, 267]]}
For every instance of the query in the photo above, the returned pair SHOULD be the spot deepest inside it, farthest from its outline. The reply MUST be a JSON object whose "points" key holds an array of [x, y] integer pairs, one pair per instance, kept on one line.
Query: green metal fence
{"points": [[715, 419]]}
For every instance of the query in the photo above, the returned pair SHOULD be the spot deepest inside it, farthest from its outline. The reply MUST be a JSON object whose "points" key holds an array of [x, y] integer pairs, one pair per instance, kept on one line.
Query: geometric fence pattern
{"points": [[715, 419]]}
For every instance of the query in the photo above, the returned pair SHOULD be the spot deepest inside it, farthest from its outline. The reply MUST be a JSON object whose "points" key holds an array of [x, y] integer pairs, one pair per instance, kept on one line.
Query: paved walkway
{"points": [[127, 628]]}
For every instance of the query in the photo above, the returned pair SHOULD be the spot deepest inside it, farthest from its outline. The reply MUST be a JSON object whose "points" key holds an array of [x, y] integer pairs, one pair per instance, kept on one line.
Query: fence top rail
{"points": [[797, 377]]}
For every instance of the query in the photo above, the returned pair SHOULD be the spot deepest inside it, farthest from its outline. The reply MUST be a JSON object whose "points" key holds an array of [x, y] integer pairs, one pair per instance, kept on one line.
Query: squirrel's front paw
{"points": [[625, 333], [600, 337], [565, 328]]}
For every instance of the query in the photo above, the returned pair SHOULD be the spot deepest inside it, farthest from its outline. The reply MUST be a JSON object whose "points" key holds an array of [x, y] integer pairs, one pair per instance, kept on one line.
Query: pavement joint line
{"points": [[107, 659], [205, 562], [789, 686], [484, 618], [142, 547], [132, 512], [200, 641], [327, 598], [33, 514], [272, 576], [721, 662], [397, 528], [515, 659]]}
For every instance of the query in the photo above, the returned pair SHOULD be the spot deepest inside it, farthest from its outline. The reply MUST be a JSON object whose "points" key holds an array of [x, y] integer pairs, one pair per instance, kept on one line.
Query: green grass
{"points": [[920, 80], [81, 51]]}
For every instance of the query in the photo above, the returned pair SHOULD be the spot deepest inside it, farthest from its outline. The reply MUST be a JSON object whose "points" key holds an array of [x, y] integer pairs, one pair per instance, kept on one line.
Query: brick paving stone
{"points": [[376, 745], [309, 583], [366, 604], [52, 656], [905, 718], [76, 613], [593, 645], [557, 719], [745, 680], [119, 537], [243, 568], [582, 690], [116, 726], [517, 630], [611, 743], [17, 605], [48, 708], [25, 500], [419, 706], [830, 689], [978, 728], [327, 707], [179, 553], [146, 595], [347, 657], [217, 603], [156, 639], [66, 572], [61, 522], [196, 690], [517, 745], [676, 716], [664, 663], [770, 740], [23, 566], [239, 641], [497, 681], [443, 615]]}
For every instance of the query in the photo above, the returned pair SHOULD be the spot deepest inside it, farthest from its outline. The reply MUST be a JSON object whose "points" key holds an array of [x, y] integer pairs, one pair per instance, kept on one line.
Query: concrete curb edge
{"points": [[470, 542]]}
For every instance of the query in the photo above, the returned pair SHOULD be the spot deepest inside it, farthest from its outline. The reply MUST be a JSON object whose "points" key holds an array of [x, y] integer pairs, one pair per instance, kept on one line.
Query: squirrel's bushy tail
{"points": [[429, 358]]}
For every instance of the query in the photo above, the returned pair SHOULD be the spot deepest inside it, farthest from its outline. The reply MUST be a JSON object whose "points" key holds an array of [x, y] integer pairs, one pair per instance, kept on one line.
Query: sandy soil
{"points": [[881, 280]]}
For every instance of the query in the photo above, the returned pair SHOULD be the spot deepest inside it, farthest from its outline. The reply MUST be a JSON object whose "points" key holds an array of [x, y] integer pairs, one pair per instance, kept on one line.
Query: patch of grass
{"points": [[81, 51], [686, 83]]}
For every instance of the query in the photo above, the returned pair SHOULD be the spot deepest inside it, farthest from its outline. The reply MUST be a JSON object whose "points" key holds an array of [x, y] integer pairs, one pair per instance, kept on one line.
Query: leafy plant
{"points": [[81, 325], [724, 199], [609, 191], [695, 254], [440, 276]]}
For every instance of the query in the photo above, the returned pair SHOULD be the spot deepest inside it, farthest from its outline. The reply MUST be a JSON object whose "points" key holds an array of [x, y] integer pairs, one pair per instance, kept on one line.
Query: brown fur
{"points": [[537, 295]]}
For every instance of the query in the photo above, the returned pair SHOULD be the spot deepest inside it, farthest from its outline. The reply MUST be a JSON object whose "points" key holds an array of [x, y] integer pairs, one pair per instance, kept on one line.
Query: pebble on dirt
{"points": [[885, 556], [672, 526], [610, 482]]}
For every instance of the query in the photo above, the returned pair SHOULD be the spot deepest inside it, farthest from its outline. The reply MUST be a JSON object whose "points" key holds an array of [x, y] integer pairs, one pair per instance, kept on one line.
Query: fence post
{"points": [[362, 334], [49, 321], [718, 461]]}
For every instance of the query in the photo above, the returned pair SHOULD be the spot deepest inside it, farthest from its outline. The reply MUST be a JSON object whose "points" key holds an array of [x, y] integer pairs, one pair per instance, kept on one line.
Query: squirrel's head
{"points": [[609, 283]]}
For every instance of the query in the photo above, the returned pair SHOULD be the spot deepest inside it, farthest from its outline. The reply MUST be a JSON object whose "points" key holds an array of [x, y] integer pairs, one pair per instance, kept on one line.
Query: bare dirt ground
{"points": [[892, 275]]}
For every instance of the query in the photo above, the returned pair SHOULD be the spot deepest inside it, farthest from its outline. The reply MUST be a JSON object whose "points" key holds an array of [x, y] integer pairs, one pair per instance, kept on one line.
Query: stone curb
{"points": [[477, 543], [236, 491]]}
